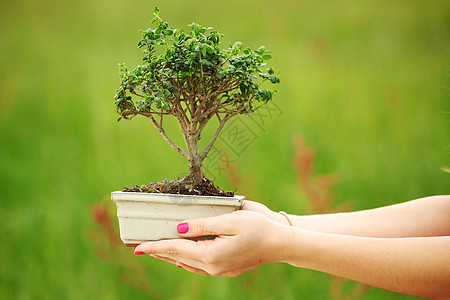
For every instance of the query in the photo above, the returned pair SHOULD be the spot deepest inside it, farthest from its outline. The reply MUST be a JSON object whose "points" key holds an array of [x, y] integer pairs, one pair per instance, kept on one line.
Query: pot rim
{"points": [[177, 199]]}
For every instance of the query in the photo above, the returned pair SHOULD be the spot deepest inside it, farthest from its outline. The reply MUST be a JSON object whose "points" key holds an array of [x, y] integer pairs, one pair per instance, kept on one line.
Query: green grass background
{"points": [[365, 83]]}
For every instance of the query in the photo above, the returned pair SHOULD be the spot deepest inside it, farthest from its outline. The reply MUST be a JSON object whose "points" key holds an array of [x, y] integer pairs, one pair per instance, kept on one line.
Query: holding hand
{"points": [[244, 240], [262, 209], [403, 247]]}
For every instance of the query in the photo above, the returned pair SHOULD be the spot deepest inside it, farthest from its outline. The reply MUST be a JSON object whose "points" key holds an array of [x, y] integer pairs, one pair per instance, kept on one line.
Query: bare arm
{"points": [[414, 266], [245, 240], [403, 248], [428, 216]]}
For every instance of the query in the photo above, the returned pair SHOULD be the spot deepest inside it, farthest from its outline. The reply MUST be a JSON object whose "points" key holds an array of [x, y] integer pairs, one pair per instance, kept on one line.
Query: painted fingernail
{"points": [[139, 252], [180, 266], [183, 227]]}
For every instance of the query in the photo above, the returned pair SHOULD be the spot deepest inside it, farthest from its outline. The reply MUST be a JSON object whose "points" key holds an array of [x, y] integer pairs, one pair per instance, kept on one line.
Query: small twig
{"points": [[166, 137], [214, 138]]}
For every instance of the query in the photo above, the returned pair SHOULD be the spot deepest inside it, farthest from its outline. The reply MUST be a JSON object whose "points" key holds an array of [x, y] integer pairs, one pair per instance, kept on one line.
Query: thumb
{"points": [[220, 225]]}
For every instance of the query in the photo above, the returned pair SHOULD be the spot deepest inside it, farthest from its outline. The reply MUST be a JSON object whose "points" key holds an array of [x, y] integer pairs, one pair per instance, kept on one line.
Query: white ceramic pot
{"points": [[150, 217]]}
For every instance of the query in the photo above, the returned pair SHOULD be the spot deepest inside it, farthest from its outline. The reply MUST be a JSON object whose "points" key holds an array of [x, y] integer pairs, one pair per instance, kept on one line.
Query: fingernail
{"points": [[183, 227], [134, 248], [139, 252]]}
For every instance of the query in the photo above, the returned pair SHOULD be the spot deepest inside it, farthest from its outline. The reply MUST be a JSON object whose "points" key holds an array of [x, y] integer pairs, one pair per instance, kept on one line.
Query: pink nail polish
{"points": [[139, 252], [183, 227]]}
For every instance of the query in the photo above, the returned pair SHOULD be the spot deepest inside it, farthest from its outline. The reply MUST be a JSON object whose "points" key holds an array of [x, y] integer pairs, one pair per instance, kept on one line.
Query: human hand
{"points": [[262, 209], [244, 240]]}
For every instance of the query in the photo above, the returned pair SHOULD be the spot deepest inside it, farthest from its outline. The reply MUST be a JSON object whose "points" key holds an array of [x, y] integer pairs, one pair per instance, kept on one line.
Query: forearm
{"points": [[415, 266], [422, 217]]}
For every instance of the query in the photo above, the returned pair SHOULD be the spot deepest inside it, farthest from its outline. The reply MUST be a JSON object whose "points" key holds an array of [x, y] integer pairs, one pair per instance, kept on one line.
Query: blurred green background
{"points": [[365, 84]]}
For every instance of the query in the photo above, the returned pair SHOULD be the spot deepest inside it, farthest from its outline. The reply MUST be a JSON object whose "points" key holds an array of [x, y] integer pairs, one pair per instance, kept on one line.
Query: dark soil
{"points": [[182, 187]]}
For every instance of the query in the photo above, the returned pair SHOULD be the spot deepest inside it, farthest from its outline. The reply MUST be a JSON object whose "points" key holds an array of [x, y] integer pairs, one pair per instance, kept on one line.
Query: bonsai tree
{"points": [[188, 76]]}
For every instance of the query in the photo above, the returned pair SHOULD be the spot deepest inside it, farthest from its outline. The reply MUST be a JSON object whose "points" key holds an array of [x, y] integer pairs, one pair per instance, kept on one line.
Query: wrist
{"points": [[298, 246], [287, 244], [302, 222]]}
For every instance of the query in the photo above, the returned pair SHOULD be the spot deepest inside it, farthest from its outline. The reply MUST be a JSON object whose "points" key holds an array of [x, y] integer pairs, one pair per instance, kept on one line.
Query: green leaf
{"points": [[214, 37], [267, 56], [205, 62], [237, 45], [168, 31]]}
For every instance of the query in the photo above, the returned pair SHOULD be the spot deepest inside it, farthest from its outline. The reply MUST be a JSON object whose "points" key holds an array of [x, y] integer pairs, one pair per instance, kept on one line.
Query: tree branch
{"points": [[232, 101], [134, 93], [181, 113], [202, 123], [166, 137], [214, 138]]}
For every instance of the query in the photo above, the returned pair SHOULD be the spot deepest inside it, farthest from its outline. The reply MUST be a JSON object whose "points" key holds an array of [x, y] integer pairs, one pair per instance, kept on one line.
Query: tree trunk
{"points": [[195, 161]]}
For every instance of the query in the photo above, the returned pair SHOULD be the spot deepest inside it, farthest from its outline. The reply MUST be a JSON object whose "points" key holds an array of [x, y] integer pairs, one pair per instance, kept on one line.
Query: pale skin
{"points": [[403, 248]]}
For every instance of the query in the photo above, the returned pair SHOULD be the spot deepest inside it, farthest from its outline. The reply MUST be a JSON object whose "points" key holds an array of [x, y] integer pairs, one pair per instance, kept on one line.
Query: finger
{"points": [[184, 265], [164, 259], [262, 209], [254, 206], [181, 265], [246, 205], [193, 270], [167, 248], [187, 251], [220, 225]]}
